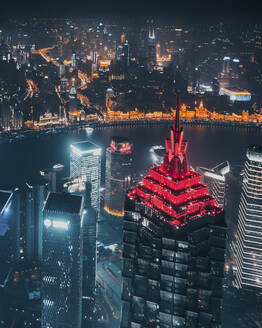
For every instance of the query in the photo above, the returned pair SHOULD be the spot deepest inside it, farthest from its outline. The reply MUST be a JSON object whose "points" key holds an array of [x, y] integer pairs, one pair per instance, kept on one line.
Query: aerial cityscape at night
{"points": [[131, 167]]}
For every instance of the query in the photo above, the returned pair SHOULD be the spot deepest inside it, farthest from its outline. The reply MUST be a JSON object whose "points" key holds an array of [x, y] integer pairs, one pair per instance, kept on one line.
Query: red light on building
{"points": [[172, 189], [126, 148], [121, 145], [113, 145]]}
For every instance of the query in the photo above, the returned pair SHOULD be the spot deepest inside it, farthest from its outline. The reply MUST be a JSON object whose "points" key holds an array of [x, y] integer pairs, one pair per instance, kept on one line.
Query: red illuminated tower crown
{"points": [[173, 189], [175, 162]]}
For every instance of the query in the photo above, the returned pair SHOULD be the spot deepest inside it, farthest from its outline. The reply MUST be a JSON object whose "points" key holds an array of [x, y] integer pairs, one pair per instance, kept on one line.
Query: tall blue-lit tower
{"points": [[85, 166]]}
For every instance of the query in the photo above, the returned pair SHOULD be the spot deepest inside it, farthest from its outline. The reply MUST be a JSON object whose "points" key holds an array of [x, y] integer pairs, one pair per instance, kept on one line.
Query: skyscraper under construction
{"points": [[173, 246]]}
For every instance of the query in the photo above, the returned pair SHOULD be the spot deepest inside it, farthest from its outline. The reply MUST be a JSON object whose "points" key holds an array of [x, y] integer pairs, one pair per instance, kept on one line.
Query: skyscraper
{"points": [[215, 179], [249, 230], [125, 54], [9, 228], [118, 171], [52, 176], [151, 43], [73, 60], [173, 246], [5, 114], [21, 223], [62, 261], [31, 202], [89, 253], [89, 260], [85, 166]]}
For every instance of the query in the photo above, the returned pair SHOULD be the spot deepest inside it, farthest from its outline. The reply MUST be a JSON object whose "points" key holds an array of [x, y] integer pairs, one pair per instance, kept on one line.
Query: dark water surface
{"points": [[208, 146]]}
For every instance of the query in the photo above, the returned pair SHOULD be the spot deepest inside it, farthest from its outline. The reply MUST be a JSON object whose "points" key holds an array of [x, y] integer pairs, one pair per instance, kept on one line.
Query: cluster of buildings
{"points": [[174, 238], [198, 113], [59, 72], [174, 227]]}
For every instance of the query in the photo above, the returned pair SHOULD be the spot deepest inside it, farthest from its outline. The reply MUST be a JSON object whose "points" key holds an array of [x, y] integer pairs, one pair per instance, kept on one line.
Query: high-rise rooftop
{"points": [[173, 189]]}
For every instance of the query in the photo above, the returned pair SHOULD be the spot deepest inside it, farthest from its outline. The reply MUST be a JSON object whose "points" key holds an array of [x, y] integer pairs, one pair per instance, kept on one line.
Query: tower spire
{"points": [[177, 118], [175, 162]]}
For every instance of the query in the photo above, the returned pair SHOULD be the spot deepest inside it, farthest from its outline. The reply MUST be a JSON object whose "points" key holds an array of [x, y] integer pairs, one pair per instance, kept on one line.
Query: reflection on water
{"points": [[208, 146]]}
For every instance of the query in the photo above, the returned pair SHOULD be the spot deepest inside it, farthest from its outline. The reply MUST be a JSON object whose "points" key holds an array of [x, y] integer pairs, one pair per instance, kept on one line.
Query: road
{"points": [[31, 89], [82, 76]]}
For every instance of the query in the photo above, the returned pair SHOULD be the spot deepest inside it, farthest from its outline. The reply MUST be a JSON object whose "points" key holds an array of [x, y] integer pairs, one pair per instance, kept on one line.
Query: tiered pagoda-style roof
{"points": [[173, 189]]}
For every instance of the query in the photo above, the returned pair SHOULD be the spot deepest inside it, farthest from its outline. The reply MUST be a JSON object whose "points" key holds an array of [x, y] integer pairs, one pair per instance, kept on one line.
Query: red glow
{"points": [[172, 189], [123, 147], [113, 145]]}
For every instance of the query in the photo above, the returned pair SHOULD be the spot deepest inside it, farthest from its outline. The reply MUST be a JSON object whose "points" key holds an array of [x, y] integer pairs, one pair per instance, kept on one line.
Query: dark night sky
{"points": [[85, 8]]}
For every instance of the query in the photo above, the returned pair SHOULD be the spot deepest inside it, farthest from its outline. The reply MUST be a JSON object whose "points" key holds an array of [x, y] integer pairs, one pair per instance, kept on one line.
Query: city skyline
{"points": [[130, 172]]}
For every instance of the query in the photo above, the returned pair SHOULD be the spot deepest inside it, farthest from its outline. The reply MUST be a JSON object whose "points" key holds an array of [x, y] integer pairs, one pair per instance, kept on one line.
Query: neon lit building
{"points": [[215, 179], [85, 166], [118, 172], [249, 244], [235, 95], [173, 246], [62, 261]]}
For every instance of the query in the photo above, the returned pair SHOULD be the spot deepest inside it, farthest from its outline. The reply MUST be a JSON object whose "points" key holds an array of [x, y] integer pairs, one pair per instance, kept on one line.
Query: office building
{"points": [[151, 43], [118, 173], [73, 60], [21, 223], [5, 115], [62, 261], [215, 179], [249, 230], [89, 261], [9, 228], [53, 176], [173, 246], [61, 71], [125, 54], [85, 166], [89, 252], [31, 203]]}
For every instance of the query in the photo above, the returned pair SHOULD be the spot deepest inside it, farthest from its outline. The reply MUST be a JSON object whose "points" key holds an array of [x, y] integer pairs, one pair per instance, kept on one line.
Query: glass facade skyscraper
{"points": [[173, 247], [215, 179], [89, 261], [249, 230], [31, 202], [85, 166], [62, 261], [21, 223], [118, 174], [9, 228]]}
